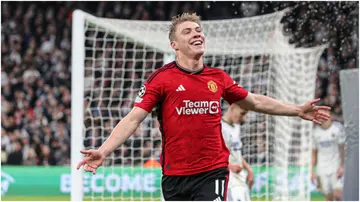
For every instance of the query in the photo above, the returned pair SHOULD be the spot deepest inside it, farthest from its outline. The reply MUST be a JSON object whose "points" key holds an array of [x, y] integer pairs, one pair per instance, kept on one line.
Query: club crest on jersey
{"points": [[212, 86], [142, 91]]}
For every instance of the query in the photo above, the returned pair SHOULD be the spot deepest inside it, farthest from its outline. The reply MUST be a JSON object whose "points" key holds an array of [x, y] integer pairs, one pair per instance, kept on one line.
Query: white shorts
{"points": [[238, 193], [329, 183]]}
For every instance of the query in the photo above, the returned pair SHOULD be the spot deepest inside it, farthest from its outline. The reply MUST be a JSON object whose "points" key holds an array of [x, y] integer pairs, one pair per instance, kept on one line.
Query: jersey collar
{"points": [[187, 71], [232, 125]]}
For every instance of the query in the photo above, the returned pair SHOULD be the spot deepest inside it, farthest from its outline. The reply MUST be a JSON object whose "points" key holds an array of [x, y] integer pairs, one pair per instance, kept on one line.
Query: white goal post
{"points": [[111, 58]]}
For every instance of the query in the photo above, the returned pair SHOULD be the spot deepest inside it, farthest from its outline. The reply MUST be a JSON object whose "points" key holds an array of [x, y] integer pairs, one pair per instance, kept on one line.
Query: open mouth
{"points": [[197, 43]]}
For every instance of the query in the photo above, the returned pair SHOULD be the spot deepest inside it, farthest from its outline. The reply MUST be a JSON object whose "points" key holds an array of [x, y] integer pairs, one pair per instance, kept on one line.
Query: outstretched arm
{"points": [[126, 127], [123, 130], [267, 105], [264, 104]]}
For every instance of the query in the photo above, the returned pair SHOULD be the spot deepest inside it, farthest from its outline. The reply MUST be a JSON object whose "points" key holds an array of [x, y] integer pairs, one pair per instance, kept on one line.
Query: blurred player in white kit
{"points": [[238, 189], [328, 156]]}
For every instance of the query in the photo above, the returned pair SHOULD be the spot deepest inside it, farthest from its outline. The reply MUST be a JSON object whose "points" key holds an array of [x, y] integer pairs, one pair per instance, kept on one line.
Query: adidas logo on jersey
{"points": [[180, 88]]}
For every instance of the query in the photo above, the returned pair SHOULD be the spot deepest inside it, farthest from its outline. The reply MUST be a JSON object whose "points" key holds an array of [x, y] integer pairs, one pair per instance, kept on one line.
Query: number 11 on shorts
{"points": [[219, 187]]}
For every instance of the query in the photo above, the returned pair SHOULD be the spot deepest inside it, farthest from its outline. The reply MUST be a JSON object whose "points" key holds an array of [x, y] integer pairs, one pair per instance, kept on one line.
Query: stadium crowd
{"points": [[36, 69]]}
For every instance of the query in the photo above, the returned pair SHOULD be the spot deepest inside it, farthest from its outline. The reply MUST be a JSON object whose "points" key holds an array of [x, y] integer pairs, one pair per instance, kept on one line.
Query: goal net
{"points": [[112, 58]]}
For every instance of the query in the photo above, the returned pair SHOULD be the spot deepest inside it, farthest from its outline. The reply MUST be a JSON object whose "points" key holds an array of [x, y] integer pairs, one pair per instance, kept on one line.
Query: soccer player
{"points": [[187, 95], [238, 190], [328, 155]]}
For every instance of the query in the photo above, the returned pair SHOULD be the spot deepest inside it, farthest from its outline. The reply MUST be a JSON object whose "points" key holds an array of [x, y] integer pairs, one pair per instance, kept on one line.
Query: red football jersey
{"points": [[190, 116]]}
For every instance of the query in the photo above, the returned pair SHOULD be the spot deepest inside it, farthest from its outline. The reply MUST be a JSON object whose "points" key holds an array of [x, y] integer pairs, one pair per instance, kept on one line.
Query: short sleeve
{"points": [[150, 93], [232, 91]]}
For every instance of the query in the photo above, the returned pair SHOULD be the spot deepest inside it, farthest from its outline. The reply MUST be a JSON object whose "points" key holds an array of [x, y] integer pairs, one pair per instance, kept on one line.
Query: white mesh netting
{"points": [[121, 54]]}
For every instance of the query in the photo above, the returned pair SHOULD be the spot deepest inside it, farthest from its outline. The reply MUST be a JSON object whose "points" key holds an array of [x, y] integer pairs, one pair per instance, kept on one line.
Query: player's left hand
{"points": [[340, 172], [250, 178], [313, 113]]}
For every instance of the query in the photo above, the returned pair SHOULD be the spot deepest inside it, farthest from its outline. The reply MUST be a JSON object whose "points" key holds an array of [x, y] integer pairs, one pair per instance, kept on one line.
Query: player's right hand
{"points": [[93, 159], [235, 168]]}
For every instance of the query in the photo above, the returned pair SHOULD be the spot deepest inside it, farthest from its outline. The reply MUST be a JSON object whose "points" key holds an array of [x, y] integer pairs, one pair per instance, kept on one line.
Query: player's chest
{"points": [[235, 139], [194, 87], [327, 141]]}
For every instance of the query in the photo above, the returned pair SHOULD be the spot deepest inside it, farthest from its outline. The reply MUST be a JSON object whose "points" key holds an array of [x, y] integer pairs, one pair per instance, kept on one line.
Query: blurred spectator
{"points": [[15, 157], [35, 84]]}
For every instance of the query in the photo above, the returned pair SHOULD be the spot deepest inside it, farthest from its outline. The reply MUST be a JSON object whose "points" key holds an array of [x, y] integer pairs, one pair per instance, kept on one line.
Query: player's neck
{"points": [[190, 64], [326, 125], [227, 119]]}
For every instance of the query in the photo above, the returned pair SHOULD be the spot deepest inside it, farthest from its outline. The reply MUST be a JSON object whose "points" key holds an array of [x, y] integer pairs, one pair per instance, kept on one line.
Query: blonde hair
{"points": [[178, 19]]}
